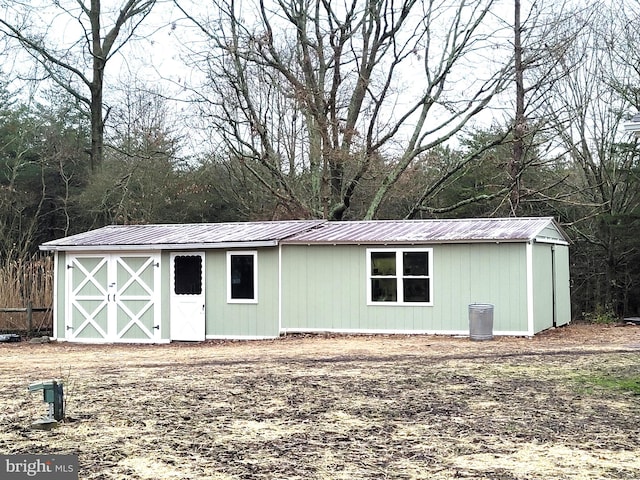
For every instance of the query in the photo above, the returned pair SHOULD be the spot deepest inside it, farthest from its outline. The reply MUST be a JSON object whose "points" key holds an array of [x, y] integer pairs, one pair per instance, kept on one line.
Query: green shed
{"points": [[254, 280]]}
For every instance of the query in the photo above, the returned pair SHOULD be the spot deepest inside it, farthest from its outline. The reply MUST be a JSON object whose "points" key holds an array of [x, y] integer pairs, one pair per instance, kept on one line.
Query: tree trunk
{"points": [[97, 119], [100, 44], [99, 61], [520, 122]]}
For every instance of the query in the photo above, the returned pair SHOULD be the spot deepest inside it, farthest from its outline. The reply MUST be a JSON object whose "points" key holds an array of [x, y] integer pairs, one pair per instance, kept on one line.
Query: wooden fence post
{"points": [[29, 318]]}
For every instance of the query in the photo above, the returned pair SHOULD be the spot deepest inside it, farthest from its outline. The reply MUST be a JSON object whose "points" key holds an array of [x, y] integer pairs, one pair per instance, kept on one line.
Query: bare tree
{"points": [[587, 111], [77, 66], [543, 34], [309, 94], [139, 180]]}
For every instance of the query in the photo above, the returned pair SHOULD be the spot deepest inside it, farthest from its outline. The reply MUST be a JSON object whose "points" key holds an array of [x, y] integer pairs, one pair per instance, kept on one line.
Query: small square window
{"points": [[242, 277]]}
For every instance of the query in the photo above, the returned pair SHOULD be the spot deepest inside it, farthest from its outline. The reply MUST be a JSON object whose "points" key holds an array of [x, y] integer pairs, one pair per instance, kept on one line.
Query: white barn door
{"points": [[87, 314], [187, 297], [113, 298]]}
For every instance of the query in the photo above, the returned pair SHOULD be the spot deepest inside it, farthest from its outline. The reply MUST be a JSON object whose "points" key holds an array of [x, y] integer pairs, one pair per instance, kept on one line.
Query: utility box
{"points": [[481, 321], [53, 394]]}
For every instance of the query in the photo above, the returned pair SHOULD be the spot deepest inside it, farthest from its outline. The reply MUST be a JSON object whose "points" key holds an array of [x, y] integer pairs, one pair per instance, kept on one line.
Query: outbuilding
{"points": [[256, 280]]}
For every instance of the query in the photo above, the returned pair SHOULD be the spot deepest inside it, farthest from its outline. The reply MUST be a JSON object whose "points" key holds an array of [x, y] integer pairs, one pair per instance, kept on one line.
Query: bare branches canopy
{"points": [[312, 96], [76, 58]]}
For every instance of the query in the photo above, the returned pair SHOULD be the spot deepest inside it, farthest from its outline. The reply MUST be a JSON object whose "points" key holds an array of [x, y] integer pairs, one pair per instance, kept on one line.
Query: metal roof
{"points": [[176, 236], [428, 231], [633, 125], [267, 234]]}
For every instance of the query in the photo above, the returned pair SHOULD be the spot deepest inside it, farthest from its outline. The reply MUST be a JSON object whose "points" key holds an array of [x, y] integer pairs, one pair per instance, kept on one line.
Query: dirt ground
{"points": [[562, 405]]}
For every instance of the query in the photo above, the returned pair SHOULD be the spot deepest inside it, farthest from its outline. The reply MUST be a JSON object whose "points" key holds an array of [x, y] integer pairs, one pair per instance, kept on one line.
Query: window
{"points": [[187, 275], [242, 276], [399, 276]]}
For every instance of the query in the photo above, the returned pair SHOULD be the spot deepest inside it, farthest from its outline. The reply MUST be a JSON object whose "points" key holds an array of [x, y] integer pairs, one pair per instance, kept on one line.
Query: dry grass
{"points": [[313, 407], [21, 281]]}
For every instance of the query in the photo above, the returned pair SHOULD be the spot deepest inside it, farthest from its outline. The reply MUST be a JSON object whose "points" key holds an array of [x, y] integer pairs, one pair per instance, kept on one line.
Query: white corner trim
{"points": [[530, 312], [56, 270], [279, 288]]}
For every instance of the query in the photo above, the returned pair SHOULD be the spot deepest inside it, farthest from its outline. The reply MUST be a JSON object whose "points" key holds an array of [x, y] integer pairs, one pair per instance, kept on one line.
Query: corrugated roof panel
{"points": [[184, 234], [255, 234], [415, 231]]}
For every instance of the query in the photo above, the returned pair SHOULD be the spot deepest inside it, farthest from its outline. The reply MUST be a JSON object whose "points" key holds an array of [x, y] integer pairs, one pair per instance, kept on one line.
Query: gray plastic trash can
{"points": [[481, 321]]}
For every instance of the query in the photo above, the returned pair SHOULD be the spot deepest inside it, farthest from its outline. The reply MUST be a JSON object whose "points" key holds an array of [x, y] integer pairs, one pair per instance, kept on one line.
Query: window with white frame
{"points": [[399, 276], [242, 277]]}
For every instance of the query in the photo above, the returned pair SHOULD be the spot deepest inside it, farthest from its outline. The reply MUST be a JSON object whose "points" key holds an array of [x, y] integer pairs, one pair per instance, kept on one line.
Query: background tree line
{"points": [[316, 109]]}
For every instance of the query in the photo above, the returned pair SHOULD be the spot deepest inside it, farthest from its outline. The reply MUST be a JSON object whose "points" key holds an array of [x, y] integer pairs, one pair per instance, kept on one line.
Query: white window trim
{"points": [[400, 277], [254, 254]]}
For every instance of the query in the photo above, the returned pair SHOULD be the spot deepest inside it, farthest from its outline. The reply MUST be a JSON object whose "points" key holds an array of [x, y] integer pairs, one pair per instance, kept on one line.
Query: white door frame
{"points": [[187, 310]]}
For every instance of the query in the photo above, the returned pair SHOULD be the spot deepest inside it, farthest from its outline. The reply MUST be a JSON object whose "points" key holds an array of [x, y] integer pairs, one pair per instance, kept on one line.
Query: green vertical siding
{"points": [[324, 288], [562, 285], [242, 319], [542, 287], [551, 271], [484, 273], [551, 233]]}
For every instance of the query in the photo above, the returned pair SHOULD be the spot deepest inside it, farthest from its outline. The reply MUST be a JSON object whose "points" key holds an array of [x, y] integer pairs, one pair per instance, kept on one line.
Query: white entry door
{"points": [[187, 296], [113, 297]]}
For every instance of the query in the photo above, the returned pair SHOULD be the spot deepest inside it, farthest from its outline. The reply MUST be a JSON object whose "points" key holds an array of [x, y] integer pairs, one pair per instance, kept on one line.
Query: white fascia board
{"points": [[553, 241], [149, 247], [536, 236], [632, 127], [403, 243]]}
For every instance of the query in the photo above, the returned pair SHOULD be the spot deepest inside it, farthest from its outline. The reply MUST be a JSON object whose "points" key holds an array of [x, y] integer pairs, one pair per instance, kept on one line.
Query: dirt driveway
{"points": [[563, 405]]}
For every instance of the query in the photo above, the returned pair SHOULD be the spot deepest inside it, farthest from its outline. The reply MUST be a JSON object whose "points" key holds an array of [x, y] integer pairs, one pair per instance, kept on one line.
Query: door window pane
{"points": [[187, 275]]}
